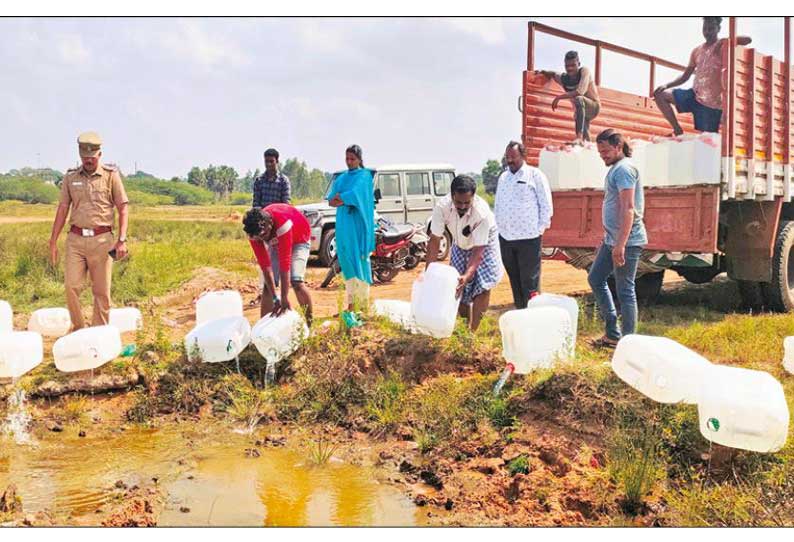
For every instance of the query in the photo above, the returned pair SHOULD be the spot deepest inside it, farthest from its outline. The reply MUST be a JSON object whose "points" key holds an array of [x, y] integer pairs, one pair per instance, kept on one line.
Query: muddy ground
{"points": [[563, 482]]}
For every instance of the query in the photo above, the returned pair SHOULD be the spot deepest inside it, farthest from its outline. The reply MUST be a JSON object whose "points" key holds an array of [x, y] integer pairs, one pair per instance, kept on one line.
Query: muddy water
{"points": [[205, 471]]}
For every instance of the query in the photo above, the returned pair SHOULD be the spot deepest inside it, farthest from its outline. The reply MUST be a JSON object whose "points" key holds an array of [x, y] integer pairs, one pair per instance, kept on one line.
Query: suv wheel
{"points": [[328, 247]]}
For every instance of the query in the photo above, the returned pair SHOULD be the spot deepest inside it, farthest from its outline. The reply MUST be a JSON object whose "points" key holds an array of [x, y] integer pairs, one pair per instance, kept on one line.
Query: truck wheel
{"points": [[752, 295], [698, 275], [328, 247], [647, 287], [780, 292]]}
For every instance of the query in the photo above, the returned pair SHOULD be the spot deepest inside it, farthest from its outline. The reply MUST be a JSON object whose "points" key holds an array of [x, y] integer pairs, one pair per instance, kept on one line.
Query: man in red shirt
{"points": [[284, 227]]}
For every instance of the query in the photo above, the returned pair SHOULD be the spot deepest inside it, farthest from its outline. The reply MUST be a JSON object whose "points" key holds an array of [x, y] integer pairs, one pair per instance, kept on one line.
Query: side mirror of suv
{"points": [[378, 196]]}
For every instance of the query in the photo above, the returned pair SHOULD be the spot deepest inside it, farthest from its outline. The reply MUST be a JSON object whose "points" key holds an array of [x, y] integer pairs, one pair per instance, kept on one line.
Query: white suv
{"points": [[408, 193]]}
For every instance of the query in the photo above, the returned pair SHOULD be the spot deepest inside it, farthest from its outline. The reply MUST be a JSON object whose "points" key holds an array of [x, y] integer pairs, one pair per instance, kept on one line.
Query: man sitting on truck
{"points": [[580, 88], [704, 99], [624, 237], [291, 231]]}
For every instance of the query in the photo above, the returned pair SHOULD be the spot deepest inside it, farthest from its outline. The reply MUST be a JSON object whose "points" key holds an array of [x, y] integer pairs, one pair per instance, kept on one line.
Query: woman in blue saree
{"points": [[353, 196]]}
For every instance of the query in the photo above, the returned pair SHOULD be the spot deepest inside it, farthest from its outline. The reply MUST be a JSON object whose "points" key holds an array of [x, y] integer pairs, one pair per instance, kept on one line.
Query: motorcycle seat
{"points": [[396, 232]]}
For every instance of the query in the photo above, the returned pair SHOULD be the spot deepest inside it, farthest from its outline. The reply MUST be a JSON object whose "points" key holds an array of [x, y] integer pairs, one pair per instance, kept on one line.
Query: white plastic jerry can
{"points": [[660, 368], [278, 337], [54, 322], [434, 306], [6, 317], [788, 354], [743, 408], [20, 351], [398, 312], [657, 163], [87, 348], [219, 304], [592, 169], [218, 340], [639, 157], [694, 159], [126, 319], [563, 302], [536, 338]]}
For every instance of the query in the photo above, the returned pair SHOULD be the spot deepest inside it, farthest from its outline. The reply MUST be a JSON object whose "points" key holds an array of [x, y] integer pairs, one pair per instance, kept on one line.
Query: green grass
{"points": [[163, 254]]}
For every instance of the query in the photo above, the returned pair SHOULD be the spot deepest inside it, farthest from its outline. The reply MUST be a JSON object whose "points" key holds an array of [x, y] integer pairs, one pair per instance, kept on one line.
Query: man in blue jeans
{"points": [[624, 238]]}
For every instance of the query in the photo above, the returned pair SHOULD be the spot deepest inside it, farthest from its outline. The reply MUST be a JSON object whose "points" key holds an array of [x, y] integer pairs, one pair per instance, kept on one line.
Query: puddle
{"points": [[203, 470]]}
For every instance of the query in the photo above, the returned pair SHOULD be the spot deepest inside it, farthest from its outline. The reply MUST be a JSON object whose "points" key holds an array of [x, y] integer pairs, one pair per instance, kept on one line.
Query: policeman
{"points": [[91, 192]]}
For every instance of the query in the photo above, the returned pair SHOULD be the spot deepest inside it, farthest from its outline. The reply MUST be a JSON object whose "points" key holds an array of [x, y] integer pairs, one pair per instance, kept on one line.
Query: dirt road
{"points": [[179, 307]]}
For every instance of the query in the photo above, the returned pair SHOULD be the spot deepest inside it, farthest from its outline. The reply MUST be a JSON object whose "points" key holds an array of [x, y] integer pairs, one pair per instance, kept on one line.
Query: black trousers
{"points": [[521, 259]]}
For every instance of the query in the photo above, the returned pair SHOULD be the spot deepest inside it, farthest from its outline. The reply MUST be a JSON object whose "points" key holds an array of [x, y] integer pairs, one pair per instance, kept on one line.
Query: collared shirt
{"points": [[523, 205], [93, 197], [268, 191], [468, 231]]}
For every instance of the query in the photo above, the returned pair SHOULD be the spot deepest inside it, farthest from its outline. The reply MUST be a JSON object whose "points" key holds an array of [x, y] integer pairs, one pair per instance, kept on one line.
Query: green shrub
{"points": [[240, 198], [29, 190], [181, 193]]}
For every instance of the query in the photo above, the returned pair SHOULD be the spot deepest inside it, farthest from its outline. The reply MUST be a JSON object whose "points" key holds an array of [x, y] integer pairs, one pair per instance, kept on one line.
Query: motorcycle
{"points": [[392, 252], [418, 247]]}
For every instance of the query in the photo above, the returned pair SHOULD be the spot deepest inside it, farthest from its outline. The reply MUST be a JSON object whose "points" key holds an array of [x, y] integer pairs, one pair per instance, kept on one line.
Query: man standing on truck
{"points": [[282, 230], [580, 88], [272, 186], [704, 99], [475, 249], [523, 209], [619, 253]]}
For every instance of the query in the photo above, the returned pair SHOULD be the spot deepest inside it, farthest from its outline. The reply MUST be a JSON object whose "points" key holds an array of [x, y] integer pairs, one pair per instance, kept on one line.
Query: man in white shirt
{"points": [[475, 249], [523, 209]]}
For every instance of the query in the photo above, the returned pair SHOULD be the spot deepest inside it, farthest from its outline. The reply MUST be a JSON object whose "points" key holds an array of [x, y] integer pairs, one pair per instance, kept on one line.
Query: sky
{"points": [[167, 94]]}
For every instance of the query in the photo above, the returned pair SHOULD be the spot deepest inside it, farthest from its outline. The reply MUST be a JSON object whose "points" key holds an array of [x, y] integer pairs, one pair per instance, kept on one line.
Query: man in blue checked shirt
{"points": [[270, 187], [523, 210]]}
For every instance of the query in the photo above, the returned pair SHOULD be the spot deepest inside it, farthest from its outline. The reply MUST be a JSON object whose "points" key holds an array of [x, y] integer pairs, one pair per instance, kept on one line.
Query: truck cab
{"points": [[408, 193], [739, 218]]}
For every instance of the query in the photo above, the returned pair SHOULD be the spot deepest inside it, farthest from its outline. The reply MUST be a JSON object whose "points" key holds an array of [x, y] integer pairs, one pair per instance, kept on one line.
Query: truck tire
{"points": [[779, 293], [752, 295], [647, 287], [328, 247], [699, 275]]}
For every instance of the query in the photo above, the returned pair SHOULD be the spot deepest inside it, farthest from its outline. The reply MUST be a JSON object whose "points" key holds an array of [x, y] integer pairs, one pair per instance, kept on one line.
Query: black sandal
{"points": [[603, 342]]}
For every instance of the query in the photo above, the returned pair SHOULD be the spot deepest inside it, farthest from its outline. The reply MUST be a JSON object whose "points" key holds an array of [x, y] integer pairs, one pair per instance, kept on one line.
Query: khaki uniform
{"points": [[93, 198]]}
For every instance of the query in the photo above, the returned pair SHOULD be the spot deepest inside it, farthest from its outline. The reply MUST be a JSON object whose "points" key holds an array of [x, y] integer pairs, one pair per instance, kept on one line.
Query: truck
{"points": [[741, 222], [407, 193]]}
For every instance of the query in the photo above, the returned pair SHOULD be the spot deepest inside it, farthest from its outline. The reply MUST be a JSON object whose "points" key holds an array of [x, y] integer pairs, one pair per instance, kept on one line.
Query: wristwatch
{"points": [[122, 239]]}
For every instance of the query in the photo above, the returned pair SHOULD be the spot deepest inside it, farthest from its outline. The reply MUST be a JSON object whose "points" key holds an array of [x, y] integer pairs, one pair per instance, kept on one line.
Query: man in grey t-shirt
{"points": [[624, 237]]}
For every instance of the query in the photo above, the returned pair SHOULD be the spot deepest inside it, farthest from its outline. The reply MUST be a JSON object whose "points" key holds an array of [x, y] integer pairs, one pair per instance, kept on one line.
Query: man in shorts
{"points": [[704, 99], [283, 227]]}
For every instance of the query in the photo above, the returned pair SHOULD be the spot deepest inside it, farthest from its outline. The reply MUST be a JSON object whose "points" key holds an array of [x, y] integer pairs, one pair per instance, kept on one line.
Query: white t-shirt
{"points": [[468, 231]]}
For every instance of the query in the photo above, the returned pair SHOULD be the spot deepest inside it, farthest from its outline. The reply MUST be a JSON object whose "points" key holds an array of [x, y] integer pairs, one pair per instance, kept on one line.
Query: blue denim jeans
{"points": [[624, 284]]}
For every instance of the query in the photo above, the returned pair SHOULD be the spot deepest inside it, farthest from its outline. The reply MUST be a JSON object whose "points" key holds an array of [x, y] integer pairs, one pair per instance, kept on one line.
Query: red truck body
{"points": [[736, 220]]}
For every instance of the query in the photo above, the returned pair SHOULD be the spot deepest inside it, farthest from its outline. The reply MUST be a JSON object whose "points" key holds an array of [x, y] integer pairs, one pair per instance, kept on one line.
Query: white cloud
{"points": [[192, 42], [72, 49], [490, 31], [321, 35]]}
